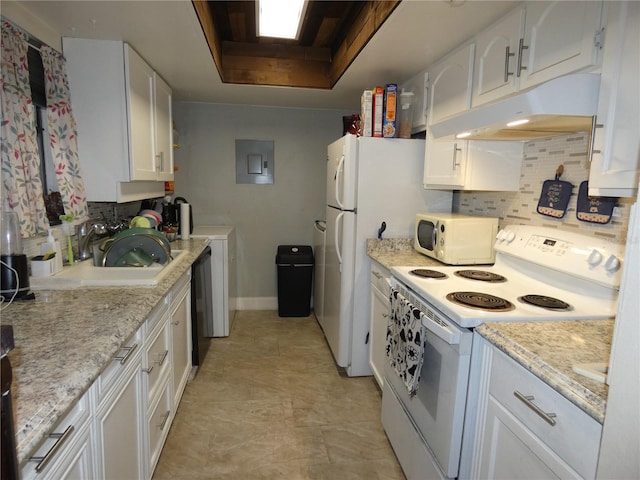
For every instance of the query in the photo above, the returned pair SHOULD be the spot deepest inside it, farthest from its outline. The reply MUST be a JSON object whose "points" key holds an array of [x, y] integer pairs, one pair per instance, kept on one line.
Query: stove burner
{"points": [[481, 275], [545, 302], [425, 273], [480, 301]]}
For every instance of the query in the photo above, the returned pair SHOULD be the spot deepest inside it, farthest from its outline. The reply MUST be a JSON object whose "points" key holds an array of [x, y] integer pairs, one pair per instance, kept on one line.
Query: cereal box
{"points": [[378, 111], [390, 104]]}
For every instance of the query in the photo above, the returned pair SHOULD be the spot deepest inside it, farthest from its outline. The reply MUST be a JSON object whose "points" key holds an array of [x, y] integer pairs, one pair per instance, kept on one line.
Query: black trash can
{"points": [[295, 274]]}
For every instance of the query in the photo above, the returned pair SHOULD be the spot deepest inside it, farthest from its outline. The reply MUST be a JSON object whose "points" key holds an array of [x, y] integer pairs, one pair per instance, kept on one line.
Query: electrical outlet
{"points": [[617, 212]]}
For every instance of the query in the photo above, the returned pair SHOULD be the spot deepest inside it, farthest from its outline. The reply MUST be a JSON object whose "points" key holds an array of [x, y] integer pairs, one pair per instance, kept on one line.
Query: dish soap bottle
{"points": [[52, 245]]}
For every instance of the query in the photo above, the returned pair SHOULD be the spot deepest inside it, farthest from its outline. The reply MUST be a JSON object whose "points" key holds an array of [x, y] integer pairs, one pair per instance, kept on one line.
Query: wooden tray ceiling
{"points": [[333, 34]]}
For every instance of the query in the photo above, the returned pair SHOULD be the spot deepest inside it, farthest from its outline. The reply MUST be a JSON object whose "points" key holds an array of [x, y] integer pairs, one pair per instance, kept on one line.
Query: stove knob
{"points": [[613, 264], [594, 258], [500, 235], [509, 236]]}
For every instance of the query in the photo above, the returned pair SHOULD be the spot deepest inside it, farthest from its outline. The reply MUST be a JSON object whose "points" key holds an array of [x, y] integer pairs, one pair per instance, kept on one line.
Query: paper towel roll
{"points": [[185, 209]]}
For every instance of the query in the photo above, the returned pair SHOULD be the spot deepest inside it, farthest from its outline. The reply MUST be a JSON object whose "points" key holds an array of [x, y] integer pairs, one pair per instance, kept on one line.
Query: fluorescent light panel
{"points": [[280, 18]]}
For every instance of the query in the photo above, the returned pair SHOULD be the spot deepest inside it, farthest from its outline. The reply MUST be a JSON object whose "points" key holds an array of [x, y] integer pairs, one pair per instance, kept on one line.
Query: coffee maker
{"points": [[14, 266]]}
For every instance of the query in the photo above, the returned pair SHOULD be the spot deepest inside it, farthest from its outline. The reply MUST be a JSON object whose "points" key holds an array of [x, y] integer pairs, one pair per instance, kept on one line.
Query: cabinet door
{"points": [[119, 427], [496, 59], [181, 342], [163, 129], [139, 85], [511, 451], [378, 332], [559, 39], [615, 159], [445, 163], [450, 87]]}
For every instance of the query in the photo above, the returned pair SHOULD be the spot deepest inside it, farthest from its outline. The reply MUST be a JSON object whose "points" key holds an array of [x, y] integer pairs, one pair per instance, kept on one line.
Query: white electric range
{"points": [[539, 274]]}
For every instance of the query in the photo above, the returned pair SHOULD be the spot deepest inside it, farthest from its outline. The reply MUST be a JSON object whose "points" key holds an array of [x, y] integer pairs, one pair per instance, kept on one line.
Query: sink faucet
{"points": [[86, 233]]}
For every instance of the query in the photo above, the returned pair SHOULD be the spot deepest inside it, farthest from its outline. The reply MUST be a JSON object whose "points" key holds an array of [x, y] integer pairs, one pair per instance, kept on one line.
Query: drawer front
{"points": [[379, 276], [156, 360], [61, 443], [157, 315], [575, 437], [158, 425], [127, 355]]}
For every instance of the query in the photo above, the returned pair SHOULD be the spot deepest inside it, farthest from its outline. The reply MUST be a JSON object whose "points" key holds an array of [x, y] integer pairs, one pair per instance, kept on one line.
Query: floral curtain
{"points": [[63, 134], [21, 182]]}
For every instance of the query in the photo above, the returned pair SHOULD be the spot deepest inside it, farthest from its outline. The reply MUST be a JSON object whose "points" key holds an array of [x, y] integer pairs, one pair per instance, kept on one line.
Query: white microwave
{"points": [[456, 239]]}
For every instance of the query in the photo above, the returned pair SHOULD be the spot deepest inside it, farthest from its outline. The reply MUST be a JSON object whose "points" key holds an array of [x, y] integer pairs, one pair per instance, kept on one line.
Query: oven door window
{"points": [[426, 234]]}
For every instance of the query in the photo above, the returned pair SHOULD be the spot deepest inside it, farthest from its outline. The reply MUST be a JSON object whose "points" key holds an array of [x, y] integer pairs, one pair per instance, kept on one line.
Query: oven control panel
{"points": [[576, 254]]}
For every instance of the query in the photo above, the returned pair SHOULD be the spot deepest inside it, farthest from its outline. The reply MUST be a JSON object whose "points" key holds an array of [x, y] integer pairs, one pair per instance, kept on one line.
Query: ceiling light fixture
{"points": [[463, 134], [280, 18]]}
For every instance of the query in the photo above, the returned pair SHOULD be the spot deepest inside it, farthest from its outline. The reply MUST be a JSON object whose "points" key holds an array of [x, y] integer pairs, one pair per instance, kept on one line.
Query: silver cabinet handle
{"points": [[376, 274], [455, 154], [385, 315], [62, 437], [123, 358], [521, 47], [163, 358], [177, 322], [594, 125], [165, 417], [528, 401], [507, 55], [148, 370]]}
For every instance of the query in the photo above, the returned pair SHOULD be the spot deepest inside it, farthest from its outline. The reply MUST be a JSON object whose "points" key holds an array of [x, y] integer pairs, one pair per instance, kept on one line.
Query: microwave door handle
{"points": [[339, 169], [337, 239], [434, 236]]}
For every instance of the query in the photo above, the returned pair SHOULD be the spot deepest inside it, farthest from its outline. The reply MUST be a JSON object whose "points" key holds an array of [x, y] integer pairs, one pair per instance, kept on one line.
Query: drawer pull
{"points": [[376, 274], [165, 417], [62, 437], [148, 370], [123, 358], [528, 401], [163, 358]]}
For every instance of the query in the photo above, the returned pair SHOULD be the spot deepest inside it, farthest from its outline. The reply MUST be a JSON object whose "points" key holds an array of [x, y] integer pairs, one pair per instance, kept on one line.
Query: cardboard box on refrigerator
{"points": [[366, 112], [390, 108], [378, 111]]}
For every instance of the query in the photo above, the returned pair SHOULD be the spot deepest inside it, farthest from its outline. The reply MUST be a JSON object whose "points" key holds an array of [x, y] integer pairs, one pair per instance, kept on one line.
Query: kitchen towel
{"points": [[405, 340]]}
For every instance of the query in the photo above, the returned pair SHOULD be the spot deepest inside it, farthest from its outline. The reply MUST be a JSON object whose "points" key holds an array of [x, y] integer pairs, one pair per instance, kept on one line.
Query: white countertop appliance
{"points": [[369, 181], [540, 273], [222, 240]]}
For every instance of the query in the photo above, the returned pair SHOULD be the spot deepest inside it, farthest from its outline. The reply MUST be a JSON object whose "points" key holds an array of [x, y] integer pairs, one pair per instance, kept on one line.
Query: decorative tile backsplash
{"points": [[541, 159]]}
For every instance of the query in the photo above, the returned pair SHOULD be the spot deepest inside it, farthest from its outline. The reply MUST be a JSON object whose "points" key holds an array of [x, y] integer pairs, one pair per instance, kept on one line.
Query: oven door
{"points": [[437, 409]]}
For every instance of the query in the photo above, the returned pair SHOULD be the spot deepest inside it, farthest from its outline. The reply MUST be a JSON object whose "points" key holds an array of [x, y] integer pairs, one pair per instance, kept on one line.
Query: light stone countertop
{"points": [[64, 339], [547, 349]]}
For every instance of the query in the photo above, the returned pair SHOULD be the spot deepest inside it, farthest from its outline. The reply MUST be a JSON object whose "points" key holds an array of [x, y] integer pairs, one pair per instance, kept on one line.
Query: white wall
{"points": [[265, 216]]}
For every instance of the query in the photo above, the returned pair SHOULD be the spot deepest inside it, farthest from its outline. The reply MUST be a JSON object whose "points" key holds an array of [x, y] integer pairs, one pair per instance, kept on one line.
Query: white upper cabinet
{"points": [[615, 157], [533, 44], [123, 115]]}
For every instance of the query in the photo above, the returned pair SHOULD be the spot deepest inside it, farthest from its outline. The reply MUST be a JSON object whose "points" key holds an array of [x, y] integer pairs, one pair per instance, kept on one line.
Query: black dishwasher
{"points": [[201, 306]]}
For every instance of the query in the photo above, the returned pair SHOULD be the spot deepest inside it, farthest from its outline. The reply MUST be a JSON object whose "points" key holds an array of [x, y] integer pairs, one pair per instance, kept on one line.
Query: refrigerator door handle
{"points": [[337, 239], [338, 175]]}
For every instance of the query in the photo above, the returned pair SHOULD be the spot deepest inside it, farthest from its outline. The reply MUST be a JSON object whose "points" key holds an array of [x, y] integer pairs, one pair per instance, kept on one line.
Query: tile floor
{"points": [[268, 403]]}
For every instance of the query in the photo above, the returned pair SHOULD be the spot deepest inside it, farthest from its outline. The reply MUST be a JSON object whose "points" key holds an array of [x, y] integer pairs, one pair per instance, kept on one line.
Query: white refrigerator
{"points": [[369, 181]]}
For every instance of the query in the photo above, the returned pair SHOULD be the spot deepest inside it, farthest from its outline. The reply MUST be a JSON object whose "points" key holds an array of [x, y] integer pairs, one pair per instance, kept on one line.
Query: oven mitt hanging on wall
{"points": [[594, 209], [555, 196]]}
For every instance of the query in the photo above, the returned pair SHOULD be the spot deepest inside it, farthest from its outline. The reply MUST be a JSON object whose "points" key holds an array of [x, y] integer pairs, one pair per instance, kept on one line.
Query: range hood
{"points": [[558, 107]]}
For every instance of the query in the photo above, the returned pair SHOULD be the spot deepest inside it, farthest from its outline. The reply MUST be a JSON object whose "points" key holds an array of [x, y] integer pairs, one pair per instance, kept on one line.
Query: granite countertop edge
{"points": [[48, 379]]}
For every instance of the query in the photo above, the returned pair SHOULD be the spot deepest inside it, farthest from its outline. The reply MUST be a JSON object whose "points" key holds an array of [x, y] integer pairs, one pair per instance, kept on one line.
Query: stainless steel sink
{"points": [[85, 274]]}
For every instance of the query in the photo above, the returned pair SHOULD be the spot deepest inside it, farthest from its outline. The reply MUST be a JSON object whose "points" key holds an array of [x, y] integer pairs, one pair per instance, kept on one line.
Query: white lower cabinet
{"points": [[118, 428], [380, 291], [526, 429], [68, 452], [119, 420]]}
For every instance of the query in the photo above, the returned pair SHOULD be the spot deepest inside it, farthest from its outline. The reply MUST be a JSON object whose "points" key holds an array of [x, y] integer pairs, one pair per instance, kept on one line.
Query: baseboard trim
{"points": [[256, 303]]}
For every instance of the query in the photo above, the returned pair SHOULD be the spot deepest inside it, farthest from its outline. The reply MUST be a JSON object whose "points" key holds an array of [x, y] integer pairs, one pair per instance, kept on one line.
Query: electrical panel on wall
{"points": [[255, 161]]}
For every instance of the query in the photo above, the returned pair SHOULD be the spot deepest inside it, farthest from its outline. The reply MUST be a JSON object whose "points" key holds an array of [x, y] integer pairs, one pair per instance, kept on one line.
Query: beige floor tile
{"points": [[269, 403]]}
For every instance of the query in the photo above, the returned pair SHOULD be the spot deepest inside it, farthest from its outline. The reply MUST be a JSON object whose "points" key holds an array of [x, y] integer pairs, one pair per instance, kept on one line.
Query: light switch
{"points": [[254, 164]]}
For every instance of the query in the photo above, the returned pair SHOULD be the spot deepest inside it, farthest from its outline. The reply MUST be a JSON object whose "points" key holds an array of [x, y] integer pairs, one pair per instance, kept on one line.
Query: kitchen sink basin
{"points": [[85, 274]]}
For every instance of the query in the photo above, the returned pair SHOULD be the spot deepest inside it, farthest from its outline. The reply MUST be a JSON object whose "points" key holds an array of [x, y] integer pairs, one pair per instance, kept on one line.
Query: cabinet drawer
{"points": [[156, 359], [127, 355], [158, 425], [575, 437], [62, 442], [379, 276]]}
